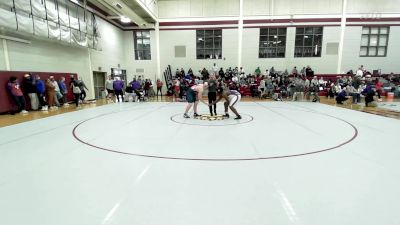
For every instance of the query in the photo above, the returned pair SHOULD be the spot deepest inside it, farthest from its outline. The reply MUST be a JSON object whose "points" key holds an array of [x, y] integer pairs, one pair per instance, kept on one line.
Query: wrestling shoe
{"points": [[238, 117], [212, 114], [186, 116], [196, 115], [226, 115]]}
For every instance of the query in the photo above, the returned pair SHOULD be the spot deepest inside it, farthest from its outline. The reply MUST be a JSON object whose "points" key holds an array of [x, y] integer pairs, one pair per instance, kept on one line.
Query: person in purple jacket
{"points": [[136, 87], [119, 89]]}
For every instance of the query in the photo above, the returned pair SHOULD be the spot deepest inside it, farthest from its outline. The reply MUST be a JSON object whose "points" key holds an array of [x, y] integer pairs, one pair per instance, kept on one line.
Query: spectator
{"points": [[51, 94], [57, 93], [309, 72], [257, 71], [73, 84], [369, 94], [342, 96], [17, 95], [40, 90], [110, 89], [159, 87], [118, 86], [63, 90], [82, 86], [29, 87]]}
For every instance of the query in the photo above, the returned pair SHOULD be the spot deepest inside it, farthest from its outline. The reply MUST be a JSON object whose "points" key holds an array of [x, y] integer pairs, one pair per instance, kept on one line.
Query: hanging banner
{"points": [[52, 15], [38, 9], [40, 27], [65, 34], [74, 23], [25, 23], [54, 30], [7, 19], [22, 5], [64, 19]]}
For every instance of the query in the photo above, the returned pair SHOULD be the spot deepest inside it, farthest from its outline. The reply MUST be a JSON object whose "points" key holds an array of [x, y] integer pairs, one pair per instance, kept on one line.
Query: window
{"points": [[272, 43], [209, 44], [142, 45], [374, 41], [308, 42]]}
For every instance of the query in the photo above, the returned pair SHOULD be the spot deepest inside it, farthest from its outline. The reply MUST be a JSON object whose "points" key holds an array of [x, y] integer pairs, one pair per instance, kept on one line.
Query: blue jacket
{"points": [[40, 86]]}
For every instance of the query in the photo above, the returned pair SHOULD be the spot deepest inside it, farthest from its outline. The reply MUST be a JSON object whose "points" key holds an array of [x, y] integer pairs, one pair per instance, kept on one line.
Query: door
{"points": [[99, 80]]}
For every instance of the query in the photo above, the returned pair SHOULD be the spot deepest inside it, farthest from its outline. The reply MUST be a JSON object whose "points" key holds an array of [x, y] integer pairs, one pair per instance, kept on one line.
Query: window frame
{"points": [[201, 45], [264, 37], [139, 40], [369, 46], [310, 47]]}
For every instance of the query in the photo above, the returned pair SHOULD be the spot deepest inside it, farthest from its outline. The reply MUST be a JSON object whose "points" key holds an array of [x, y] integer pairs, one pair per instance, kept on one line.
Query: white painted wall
{"points": [[170, 39], [351, 52], [149, 66], [324, 64], [2, 60], [197, 8], [289, 7], [373, 6], [112, 48]]}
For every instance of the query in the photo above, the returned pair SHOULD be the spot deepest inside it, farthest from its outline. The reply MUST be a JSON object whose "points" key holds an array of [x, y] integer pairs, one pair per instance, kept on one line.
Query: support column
{"points": [[157, 30], [6, 57], [240, 33], [341, 42]]}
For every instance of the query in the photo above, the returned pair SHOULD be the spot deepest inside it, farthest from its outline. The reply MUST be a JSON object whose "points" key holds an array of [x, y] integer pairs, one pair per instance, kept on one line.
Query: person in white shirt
{"points": [[58, 94], [215, 69], [110, 89], [359, 72]]}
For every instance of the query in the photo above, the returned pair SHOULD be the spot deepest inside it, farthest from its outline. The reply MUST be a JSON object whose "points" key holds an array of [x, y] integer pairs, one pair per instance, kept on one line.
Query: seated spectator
{"points": [[129, 93], [17, 95], [369, 94], [342, 96]]}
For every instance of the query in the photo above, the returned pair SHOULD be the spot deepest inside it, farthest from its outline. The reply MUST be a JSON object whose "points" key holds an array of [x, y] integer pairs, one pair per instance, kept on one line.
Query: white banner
{"points": [[22, 5], [38, 9], [52, 15], [25, 23], [64, 19], [74, 23], [66, 34], [82, 26], [40, 27], [90, 41], [54, 30], [7, 19]]}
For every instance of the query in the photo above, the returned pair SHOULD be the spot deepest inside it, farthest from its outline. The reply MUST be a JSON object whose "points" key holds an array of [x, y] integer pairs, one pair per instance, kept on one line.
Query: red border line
{"points": [[222, 159]]}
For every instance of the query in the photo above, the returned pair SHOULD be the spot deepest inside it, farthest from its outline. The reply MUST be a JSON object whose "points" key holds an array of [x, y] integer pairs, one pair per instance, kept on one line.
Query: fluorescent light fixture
{"points": [[125, 19], [75, 1]]}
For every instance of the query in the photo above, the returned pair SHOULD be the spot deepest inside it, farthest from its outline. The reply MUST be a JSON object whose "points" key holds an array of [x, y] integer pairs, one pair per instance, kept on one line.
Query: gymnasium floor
{"points": [[283, 163]]}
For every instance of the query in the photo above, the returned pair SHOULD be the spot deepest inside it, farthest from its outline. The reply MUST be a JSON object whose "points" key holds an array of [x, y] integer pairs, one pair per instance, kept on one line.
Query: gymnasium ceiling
{"points": [[112, 10]]}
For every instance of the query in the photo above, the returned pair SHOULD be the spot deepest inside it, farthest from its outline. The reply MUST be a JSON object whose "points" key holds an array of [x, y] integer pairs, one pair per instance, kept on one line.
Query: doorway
{"points": [[99, 80]]}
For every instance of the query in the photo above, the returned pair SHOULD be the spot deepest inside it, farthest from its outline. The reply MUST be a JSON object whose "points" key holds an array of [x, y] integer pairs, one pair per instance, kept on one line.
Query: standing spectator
{"points": [[309, 72], [110, 89], [221, 73], [82, 86], [63, 90], [205, 74], [17, 95], [159, 87], [294, 71], [257, 71], [40, 90], [118, 86], [29, 87], [215, 69], [76, 90], [57, 92], [147, 87], [378, 87], [51, 94]]}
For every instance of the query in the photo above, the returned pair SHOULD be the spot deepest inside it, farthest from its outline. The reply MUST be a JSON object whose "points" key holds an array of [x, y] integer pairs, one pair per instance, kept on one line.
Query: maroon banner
{"points": [[6, 102]]}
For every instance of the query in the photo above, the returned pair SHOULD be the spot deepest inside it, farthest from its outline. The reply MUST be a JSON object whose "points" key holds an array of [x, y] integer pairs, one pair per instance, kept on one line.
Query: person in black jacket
{"points": [[29, 88]]}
